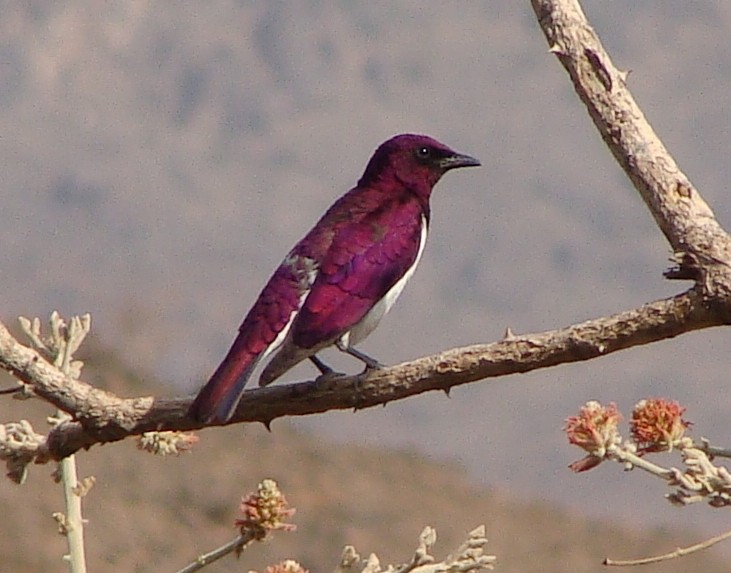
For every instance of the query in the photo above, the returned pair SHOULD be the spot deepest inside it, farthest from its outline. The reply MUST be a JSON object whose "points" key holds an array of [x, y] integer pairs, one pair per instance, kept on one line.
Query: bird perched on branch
{"points": [[337, 283]]}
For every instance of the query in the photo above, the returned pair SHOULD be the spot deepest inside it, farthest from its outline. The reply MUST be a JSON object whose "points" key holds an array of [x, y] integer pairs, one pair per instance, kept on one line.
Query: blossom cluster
{"points": [[657, 425], [264, 511]]}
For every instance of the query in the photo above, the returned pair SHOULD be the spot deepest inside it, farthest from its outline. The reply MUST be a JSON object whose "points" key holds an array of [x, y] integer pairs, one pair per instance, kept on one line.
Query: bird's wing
{"points": [[365, 260], [269, 319], [263, 330]]}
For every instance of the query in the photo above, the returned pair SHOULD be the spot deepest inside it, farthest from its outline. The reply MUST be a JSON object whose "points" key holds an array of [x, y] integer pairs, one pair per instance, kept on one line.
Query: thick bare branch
{"points": [[75, 397], [673, 201], [102, 417], [681, 213]]}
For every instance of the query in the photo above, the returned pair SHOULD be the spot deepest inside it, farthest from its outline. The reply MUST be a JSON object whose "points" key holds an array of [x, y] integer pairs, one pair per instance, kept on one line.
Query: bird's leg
{"points": [[326, 373], [321, 366], [371, 363]]}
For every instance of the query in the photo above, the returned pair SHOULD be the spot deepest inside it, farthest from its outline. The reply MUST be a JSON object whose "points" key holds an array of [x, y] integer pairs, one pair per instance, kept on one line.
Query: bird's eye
{"points": [[423, 153]]}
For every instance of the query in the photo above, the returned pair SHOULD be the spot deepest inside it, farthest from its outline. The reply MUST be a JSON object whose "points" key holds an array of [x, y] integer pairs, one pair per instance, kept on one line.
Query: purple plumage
{"points": [[336, 284]]}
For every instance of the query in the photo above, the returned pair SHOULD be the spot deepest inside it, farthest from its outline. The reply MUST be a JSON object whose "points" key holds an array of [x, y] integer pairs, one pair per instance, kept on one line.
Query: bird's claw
{"points": [[326, 377], [372, 365]]}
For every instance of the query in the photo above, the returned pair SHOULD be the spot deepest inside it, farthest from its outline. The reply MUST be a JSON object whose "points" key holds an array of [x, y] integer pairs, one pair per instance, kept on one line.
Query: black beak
{"points": [[458, 160]]}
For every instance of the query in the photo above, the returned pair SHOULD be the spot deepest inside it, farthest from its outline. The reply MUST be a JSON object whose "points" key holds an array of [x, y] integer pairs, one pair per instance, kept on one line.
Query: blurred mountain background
{"points": [[160, 159]]}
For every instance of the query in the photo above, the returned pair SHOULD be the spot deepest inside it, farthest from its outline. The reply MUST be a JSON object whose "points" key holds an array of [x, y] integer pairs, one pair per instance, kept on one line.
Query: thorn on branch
{"points": [[555, 49]]}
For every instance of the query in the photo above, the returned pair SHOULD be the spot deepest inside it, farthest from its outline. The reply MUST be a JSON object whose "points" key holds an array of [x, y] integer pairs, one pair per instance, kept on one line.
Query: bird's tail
{"points": [[218, 399]]}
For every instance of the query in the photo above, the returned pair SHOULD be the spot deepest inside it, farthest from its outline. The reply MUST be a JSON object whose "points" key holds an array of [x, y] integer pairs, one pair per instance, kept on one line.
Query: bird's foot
{"points": [[370, 363], [326, 373], [326, 377], [374, 365]]}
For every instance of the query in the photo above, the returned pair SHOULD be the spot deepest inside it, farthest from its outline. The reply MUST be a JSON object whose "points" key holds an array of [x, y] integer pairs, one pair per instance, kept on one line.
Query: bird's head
{"points": [[416, 161]]}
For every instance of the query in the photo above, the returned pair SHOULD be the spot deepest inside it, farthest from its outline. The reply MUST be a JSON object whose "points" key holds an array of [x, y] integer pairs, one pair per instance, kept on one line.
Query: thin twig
{"points": [[713, 451], [679, 552], [235, 545], [628, 457], [74, 518], [13, 390]]}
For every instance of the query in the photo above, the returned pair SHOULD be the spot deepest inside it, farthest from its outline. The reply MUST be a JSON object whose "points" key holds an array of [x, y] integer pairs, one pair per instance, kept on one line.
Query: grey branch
{"points": [[700, 244], [101, 417]]}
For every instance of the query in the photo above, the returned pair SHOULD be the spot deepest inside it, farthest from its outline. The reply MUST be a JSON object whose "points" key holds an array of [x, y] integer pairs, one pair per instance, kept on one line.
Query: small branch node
{"points": [[600, 69]]}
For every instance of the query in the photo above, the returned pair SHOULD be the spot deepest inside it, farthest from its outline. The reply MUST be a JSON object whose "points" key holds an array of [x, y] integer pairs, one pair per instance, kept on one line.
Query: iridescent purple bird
{"points": [[337, 283]]}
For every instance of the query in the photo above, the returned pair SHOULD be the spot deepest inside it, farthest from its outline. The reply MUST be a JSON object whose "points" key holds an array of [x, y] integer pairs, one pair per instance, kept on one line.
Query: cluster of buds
{"points": [[286, 566], [20, 446], [166, 443], [595, 431], [657, 425], [264, 511]]}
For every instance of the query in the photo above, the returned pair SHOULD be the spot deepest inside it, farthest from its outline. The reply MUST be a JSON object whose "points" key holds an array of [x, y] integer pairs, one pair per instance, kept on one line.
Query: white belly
{"points": [[369, 322]]}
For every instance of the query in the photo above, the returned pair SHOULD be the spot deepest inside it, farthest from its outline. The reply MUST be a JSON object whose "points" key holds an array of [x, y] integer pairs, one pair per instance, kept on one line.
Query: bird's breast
{"points": [[370, 321]]}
